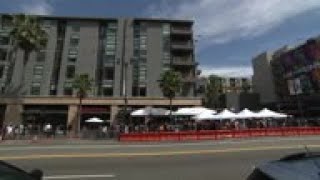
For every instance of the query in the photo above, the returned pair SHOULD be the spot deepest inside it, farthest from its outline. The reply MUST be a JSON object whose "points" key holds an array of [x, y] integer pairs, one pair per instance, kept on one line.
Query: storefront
{"points": [[39, 115], [90, 111]]}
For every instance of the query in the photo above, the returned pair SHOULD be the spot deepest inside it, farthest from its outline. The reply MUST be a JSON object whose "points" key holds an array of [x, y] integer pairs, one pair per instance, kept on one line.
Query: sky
{"points": [[228, 33]]}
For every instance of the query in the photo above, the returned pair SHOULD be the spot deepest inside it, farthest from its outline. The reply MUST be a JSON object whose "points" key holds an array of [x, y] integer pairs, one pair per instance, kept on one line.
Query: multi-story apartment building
{"points": [[226, 84], [233, 92], [124, 57]]}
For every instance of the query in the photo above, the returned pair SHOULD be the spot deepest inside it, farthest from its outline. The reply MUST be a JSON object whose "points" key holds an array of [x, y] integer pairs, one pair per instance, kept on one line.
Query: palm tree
{"points": [[213, 91], [170, 83], [27, 35], [82, 84]]}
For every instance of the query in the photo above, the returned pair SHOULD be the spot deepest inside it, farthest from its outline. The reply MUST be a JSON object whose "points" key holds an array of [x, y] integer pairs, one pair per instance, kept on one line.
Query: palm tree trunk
{"points": [[79, 115], [12, 58], [25, 60], [170, 113]]}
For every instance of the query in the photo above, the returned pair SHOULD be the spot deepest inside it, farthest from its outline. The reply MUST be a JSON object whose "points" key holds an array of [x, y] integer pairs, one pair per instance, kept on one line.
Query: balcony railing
{"points": [[181, 30], [184, 61], [182, 45]]}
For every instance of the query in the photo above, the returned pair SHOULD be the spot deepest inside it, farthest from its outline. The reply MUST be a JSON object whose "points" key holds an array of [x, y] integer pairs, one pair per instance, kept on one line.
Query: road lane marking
{"points": [[158, 153], [80, 176]]}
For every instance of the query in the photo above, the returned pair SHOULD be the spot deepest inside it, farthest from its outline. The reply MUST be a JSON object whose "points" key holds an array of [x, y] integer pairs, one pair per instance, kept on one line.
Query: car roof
{"points": [[293, 167]]}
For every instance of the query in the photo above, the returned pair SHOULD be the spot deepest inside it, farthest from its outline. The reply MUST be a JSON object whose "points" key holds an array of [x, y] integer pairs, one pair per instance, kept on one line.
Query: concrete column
{"points": [[13, 114], [113, 112], [72, 117]]}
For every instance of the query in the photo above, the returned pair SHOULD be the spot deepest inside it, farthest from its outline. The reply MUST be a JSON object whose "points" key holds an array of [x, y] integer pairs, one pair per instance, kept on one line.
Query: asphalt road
{"points": [[202, 160]]}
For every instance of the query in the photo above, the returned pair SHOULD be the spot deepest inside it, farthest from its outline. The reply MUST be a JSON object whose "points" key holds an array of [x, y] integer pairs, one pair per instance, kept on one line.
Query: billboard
{"points": [[301, 68]]}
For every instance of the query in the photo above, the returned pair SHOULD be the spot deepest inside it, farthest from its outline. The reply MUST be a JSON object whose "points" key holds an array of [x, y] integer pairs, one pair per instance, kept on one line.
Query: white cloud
{"points": [[221, 21], [36, 7], [237, 71]]}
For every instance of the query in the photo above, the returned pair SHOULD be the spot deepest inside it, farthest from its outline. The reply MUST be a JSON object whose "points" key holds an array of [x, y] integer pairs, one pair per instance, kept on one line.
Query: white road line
{"points": [[80, 176]]}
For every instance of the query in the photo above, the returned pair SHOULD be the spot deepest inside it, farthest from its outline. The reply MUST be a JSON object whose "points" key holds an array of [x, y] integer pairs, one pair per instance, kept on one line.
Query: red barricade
{"points": [[219, 134]]}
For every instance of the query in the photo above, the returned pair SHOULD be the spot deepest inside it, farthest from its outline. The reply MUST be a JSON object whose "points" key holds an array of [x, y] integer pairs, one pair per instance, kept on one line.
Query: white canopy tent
{"points": [[149, 111], [193, 111], [94, 120], [225, 114], [247, 114], [266, 113], [204, 116]]}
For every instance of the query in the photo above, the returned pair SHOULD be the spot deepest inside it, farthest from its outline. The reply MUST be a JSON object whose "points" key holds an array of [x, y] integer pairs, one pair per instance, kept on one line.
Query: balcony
{"points": [[182, 46], [183, 31], [183, 61]]}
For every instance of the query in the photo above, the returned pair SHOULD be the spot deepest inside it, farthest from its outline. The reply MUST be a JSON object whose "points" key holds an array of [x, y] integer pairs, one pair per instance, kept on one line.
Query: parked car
{"points": [[10, 172], [299, 166]]}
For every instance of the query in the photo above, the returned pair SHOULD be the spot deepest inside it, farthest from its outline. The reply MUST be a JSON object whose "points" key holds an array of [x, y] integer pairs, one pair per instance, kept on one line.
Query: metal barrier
{"points": [[219, 134]]}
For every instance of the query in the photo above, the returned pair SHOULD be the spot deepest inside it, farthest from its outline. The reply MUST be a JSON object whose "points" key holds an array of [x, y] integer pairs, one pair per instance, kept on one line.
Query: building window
{"points": [[166, 29], [143, 52], [244, 80], [232, 82], [41, 56], [143, 91], [135, 91], [142, 73], [74, 42], [108, 73], [70, 73], [110, 47], [67, 91], [1, 71], [75, 28], [166, 55], [139, 91], [37, 71], [73, 51], [111, 40], [112, 52], [143, 60], [109, 58], [6, 21], [166, 67], [53, 89], [35, 88], [3, 54], [46, 24], [72, 59], [4, 40], [107, 91]]}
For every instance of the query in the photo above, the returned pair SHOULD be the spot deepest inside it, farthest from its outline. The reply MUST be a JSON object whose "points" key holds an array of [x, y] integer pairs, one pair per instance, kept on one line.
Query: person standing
{"points": [[48, 129], [9, 131], [105, 131]]}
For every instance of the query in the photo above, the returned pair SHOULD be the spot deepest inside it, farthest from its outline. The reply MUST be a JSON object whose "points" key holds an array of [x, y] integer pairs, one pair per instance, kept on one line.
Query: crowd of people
{"points": [[104, 131], [21, 131], [187, 124]]}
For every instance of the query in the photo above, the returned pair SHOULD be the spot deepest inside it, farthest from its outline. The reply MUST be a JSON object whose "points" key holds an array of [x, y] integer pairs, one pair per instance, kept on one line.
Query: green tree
{"points": [[170, 83], [81, 84], [26, 34], [213, 91]]}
